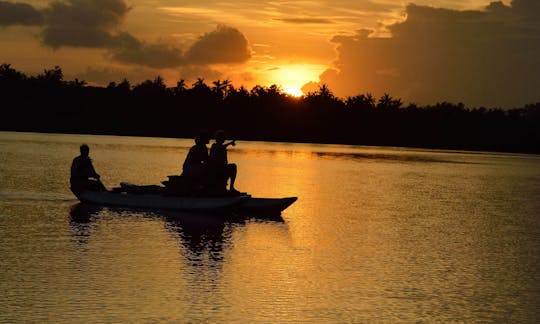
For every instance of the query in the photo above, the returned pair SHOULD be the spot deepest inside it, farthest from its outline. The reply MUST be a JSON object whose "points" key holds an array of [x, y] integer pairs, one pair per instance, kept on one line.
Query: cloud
{"points": [[96, 24], [129, 49], [19, 14], [489, 57], [83, 23], [305, 20], [223, 45]]}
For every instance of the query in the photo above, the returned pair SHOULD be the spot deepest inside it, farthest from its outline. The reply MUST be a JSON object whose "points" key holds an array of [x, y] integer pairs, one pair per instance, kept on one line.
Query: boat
{"points": [[158, 197], [265, 205], [160, 201]]}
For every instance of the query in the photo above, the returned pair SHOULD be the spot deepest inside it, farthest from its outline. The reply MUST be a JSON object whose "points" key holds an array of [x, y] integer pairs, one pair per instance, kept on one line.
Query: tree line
{"points": [[48, 103]]}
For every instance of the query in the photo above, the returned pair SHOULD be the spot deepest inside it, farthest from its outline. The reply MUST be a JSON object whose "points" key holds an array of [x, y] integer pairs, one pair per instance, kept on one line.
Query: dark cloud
{"points": [[489, 57], [95, 24], [528, 9], [129, 49], [305, 20], [83, 23], [19, 14], [76, 37], [223, 45]]}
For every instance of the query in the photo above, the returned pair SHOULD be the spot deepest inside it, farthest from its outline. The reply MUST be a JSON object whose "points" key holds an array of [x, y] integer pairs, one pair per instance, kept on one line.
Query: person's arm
{"points": [[230, 143], [93, 173], [75, 168]]}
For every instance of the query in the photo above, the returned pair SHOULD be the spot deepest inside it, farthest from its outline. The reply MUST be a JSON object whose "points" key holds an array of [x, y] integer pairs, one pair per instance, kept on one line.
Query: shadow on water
{"points": [[376, 157], [410, 155], [81, 220], [204, 236], [81, 213]]}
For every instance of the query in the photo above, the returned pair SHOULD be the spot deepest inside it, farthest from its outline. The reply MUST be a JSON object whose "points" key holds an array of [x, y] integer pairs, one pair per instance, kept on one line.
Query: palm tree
{"points": [[387, 102], [180, 87], [220, 88], [362, 101]]}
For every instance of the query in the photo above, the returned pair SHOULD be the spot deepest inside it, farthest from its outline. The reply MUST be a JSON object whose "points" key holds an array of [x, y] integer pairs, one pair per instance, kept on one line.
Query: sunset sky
{"points": [[472, 51]]}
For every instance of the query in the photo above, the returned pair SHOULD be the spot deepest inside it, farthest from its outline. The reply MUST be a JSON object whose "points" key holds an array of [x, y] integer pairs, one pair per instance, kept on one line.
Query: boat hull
{"points": [[266, 205], [154, 201], [244, 204]]}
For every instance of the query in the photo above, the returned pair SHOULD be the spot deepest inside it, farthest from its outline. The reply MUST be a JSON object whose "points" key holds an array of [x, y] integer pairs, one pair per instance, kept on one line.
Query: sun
{"points": [[292, 77], [293, 91]]}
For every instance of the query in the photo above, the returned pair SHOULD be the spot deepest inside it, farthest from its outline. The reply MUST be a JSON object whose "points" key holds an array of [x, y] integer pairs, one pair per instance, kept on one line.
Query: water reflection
{"points": [[398, 158], [355, 153], [203, 237], [81, 221]]}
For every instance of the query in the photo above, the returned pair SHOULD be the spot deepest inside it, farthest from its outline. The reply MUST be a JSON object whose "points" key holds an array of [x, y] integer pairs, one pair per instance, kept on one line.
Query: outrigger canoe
{"points": [[157, 200]]}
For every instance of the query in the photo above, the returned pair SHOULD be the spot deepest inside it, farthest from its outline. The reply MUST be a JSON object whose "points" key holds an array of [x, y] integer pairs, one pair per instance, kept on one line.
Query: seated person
{"points": [[83, 175], [195, 167], [219, 161]]}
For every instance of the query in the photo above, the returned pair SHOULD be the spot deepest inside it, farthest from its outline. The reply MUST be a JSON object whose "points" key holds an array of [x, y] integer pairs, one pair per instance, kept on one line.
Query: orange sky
{"points": [[416, 52]]}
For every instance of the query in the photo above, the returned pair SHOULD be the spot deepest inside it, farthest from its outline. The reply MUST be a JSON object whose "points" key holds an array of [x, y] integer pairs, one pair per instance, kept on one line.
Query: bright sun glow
{"points": [[293, 91], [292, 77]]}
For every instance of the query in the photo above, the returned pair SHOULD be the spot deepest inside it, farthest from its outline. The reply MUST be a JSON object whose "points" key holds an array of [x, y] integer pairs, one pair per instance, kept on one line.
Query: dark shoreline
{"points": [[420, 148], [46, 103]]}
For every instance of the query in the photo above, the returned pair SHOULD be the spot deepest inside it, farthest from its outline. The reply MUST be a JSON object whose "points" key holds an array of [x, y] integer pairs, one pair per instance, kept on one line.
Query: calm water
{"points": [[377, 235]]}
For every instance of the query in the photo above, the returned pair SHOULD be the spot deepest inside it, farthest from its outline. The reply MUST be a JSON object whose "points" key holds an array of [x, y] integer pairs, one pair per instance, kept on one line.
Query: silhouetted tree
{"points": [[9, 74], [51, 76], [387, 102], [361, 102], [152, 89], [180, 88], [323, 98], [48, 103], [220, 88]]}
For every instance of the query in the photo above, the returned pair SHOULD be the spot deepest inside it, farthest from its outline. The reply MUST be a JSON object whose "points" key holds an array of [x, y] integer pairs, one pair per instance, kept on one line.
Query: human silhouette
{"points": [[83, 175], [195, 169], [218, 157]]}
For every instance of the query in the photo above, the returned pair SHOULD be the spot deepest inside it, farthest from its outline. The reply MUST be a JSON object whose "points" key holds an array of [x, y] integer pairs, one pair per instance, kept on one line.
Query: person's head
{"points": [[202, 138], [220, 136], [85, 150]]}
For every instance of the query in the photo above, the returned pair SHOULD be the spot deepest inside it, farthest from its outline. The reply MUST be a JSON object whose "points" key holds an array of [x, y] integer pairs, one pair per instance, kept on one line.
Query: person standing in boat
{"points": [[195, 167], [83, 175], [220, 163]]}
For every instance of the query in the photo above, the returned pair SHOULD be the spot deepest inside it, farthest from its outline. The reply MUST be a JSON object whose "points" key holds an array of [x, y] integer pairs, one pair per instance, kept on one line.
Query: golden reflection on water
{"points": [[377, 235], [121, 265]]}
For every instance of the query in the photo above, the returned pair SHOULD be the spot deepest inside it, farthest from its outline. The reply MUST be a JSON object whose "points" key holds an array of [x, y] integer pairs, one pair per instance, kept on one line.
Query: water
{"points": [[377, 235]]}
